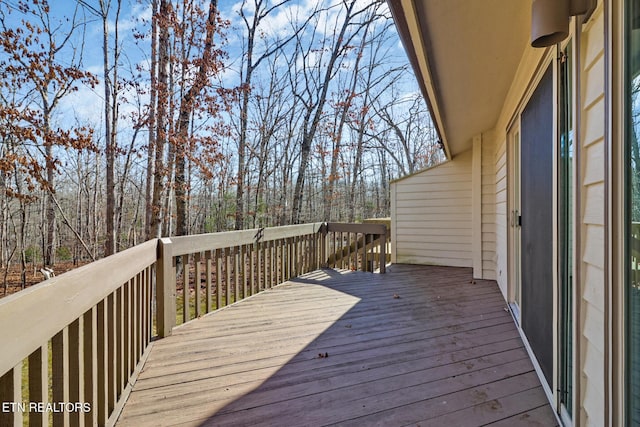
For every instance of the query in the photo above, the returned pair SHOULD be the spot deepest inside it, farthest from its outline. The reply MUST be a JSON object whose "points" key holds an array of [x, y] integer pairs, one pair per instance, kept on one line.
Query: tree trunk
{"points": [[187, 105], [314, 113], [110, 117], [162, 89], [151, 146], [50, 207]]}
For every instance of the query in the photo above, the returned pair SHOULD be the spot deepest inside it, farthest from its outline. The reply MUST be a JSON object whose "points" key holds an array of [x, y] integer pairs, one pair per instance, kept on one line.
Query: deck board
{"points": [[444, 353]]}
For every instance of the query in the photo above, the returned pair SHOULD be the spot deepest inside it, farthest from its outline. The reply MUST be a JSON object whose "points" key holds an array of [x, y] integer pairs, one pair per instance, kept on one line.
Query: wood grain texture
{"points": [[443, 352]]}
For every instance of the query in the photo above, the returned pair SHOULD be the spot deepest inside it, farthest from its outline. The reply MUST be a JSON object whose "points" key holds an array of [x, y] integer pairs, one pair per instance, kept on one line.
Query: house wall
{"points": [[433, 210], [592, 214], [488, 209], [500, 160], [432, 216], [448, 200]]}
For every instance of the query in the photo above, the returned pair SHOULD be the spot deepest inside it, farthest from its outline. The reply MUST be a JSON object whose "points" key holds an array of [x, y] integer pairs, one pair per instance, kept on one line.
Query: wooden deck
{"points": [[417, 346]]}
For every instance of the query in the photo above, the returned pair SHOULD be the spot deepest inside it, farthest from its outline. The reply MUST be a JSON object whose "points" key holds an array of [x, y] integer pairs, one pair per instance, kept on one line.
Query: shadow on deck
{"points": [[417, 346]]}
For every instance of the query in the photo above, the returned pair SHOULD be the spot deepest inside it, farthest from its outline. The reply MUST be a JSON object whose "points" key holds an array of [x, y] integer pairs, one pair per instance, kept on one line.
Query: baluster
{"points": [[197, 281], [38, 384], [136, 334], [262, 284], [300, 256], [208, 272], [252, 268], [342, 250], [148, 286], [60, 374], [142, 332], [144, 323], [227, 265], [316, 247], [76, 377], [265, 264], [128, 328], [365, 258], [304, 254], [245, 251], [236, 274], [383, 254], [186, 293], [281, 259], [270, 262], [334, 250], [111, 353], [304, 249], [349, 250], [294, 257], [287, 266], [310, 252], [11, 391], [119, 342], [219, 260], [91, 357], [102, 365], [275, 261]]}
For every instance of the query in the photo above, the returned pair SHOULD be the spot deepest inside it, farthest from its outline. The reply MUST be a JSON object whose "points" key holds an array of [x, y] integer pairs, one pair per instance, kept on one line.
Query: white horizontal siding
{"points": [[500, 160], [488, 209], [432, 215], [592, 319]]}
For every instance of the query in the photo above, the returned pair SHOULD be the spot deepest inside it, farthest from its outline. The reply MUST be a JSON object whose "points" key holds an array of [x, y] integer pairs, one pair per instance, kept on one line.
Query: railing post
{"points": [[323, 246], [166, 288]]}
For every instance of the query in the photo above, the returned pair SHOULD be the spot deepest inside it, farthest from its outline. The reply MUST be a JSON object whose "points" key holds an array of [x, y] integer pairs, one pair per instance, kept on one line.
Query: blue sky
{"points": [[85, 105]]}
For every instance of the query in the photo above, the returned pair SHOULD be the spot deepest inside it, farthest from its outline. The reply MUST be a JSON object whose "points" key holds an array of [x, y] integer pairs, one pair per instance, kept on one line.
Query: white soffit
{"points": [[468, 53]]}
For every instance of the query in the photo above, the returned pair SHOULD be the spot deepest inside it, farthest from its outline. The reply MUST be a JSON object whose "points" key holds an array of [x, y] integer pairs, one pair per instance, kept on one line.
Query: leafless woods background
{"points": [[123, 120]]}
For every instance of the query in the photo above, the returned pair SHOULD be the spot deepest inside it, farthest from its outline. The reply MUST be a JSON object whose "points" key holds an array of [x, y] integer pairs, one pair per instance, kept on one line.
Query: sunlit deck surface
{"points": [[416, 346]]}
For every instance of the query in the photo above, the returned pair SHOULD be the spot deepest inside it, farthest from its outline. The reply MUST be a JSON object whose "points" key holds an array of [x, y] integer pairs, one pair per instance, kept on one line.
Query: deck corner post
{"points": [[166, 288], [323, 248]]}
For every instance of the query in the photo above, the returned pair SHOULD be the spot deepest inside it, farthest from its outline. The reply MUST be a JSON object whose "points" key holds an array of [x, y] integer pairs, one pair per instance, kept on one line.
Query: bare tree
{"points": [[35, 65], [162, 19], [317, 83]]}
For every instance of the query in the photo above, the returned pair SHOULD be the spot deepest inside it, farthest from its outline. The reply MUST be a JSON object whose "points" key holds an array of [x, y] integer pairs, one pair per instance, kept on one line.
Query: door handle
{"points": [[515, 219]]}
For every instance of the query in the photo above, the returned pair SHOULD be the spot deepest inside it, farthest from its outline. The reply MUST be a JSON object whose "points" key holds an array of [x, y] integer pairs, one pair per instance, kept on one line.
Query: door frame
{"points": [[548, 59], [573, 213], [514, 238]]}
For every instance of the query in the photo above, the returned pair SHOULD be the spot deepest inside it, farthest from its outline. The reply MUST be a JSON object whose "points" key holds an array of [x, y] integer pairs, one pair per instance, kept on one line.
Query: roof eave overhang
{"points": [[413, 41]]}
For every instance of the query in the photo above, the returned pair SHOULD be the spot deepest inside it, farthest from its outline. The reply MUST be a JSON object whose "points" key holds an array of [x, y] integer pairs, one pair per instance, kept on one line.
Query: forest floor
{"points": [[13, 283]]}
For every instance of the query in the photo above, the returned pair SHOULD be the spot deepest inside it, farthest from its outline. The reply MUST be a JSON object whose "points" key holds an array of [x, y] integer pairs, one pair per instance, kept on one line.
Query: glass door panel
{"points": [[632, 152], [565, 229]]}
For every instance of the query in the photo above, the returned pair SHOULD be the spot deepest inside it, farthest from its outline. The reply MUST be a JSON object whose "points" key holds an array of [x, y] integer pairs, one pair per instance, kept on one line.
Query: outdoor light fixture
{"points": [[550, 19]]}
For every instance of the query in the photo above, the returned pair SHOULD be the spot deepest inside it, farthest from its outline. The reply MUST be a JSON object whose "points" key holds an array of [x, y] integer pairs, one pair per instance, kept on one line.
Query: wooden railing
{"points": [[78, 339], [72, 346], [221, 268], [357, 246]]}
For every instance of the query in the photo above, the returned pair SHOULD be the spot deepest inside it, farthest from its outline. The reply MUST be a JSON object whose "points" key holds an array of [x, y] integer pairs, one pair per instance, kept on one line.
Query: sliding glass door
{"points": [[632, 154], [565, 229]]}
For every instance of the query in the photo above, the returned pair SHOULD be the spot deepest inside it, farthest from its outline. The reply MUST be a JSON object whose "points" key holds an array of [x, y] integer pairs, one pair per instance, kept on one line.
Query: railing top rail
{"points": [[369, 228], [183, 245], [31, 317]]}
